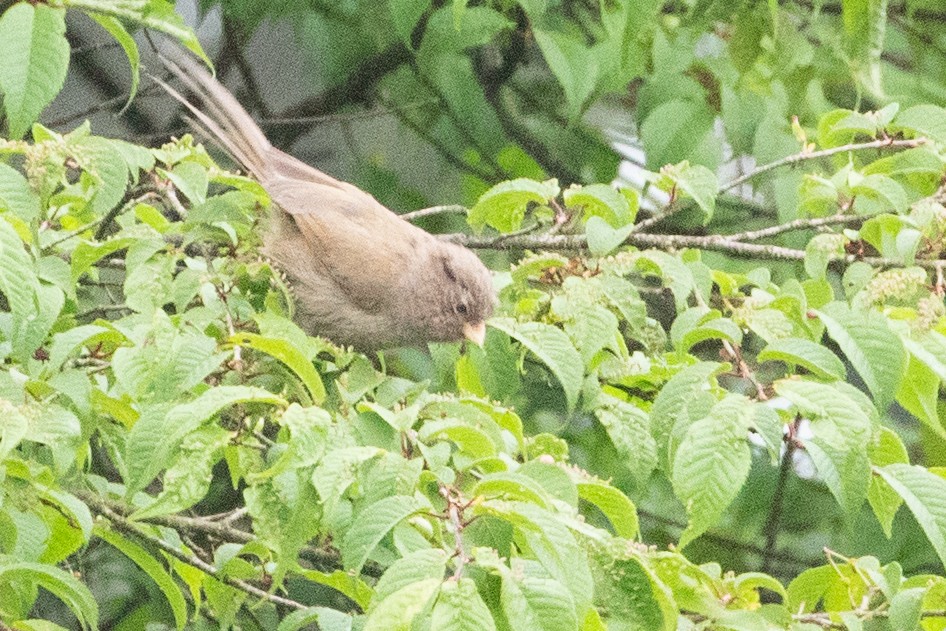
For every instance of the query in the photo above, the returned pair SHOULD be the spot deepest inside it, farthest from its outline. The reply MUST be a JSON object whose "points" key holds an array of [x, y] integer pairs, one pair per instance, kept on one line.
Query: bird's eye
{"points": [[460, 308]]}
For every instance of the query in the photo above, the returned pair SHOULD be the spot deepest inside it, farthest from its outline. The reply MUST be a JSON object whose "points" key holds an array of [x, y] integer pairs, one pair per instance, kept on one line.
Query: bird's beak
{"points": [[475, 332]]}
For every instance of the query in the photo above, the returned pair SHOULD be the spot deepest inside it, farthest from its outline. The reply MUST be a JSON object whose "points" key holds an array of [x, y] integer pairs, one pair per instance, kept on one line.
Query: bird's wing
{"points": [[362, 245]]}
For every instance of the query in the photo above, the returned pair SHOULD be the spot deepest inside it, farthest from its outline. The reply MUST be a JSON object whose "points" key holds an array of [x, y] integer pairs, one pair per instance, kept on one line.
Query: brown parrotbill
{"points": [[361, 275]]}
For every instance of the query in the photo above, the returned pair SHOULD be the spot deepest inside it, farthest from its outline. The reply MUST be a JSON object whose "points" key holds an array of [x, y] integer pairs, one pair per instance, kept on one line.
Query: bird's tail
{"points": [[220, 116]]}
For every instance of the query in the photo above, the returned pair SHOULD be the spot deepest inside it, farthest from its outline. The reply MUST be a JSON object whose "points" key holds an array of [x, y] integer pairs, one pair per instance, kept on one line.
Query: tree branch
{"points": [[120, 523], [884, 143]]}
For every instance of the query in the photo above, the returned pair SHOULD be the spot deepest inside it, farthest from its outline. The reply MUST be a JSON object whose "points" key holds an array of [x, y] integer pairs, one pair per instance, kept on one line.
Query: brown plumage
{"points": [[361, 275]]}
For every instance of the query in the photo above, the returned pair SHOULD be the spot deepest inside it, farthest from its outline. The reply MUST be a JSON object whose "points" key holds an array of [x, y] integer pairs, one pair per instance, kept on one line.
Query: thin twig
{"points": [[884, 143], [120, 523], [670, 242], [797, 224], [435, 210]]}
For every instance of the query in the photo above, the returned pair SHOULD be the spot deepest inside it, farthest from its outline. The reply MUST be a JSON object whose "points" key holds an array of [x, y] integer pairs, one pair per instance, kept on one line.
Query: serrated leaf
{"points": [[602, 237], [614, 505], [636, 598], [813, 357], [553, 348], [925, 495], [61, 584], [34, 58], [872, 348], [18, 281], [152, 568], [629, 429], [326, 619], [460, 607], [16, 195], [537, 603], [372, 524], [601, 200], [290, 356], [686, 398], [919, 393], [712, 464], [925, 120], [397, 611], [875, 194], [411, 568], [841, 433], [885, 448], [160, 430], [503, 207]]}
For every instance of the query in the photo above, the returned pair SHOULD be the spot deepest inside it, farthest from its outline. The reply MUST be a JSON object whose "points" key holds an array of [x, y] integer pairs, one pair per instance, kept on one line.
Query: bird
{"points": [[361, 276]]}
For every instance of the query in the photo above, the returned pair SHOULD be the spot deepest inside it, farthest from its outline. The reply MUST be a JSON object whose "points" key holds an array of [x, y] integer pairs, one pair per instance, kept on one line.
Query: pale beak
{"points": [[475, 332]]}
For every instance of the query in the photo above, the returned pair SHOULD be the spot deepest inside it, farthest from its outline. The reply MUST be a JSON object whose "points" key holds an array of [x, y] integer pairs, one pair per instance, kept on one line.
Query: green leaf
{"points": [[925, 494], [503, 207], [536, 603], [885, 448], [813, 357], [872, 348], [326, 619], [187, 479], [572, 63], [18, 281], [159, 431], [16, 195], [696, 182], [602, 238], [841, 433], [397, 611], [191, 179], [636, 598], [924, 120], [919, 393], [373, 523], [553, 348], [14, 428], [290, 356], [117, 30], [160, 15], [62, 585], [460, 607], [34, 58], [906, 608], [875, 194], [712, 464], [601, 200], [152, 568], [411, 568], [674, 130], [821, 250], [614, 504], [343, 582], [405, 14], [686, 398], [513, 486], [629, 429]]}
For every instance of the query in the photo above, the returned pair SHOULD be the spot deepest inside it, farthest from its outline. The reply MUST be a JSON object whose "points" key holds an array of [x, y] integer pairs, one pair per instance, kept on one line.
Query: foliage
{"points": [[173, 449]]}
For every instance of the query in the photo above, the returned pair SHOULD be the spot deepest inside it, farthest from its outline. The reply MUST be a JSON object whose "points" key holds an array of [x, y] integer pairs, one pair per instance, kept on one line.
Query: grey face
{"points": [[464, 292]]}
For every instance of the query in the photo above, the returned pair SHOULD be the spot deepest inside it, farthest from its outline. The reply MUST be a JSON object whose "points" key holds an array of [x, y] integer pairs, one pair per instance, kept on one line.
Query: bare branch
{"points": [[884, 143]]}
